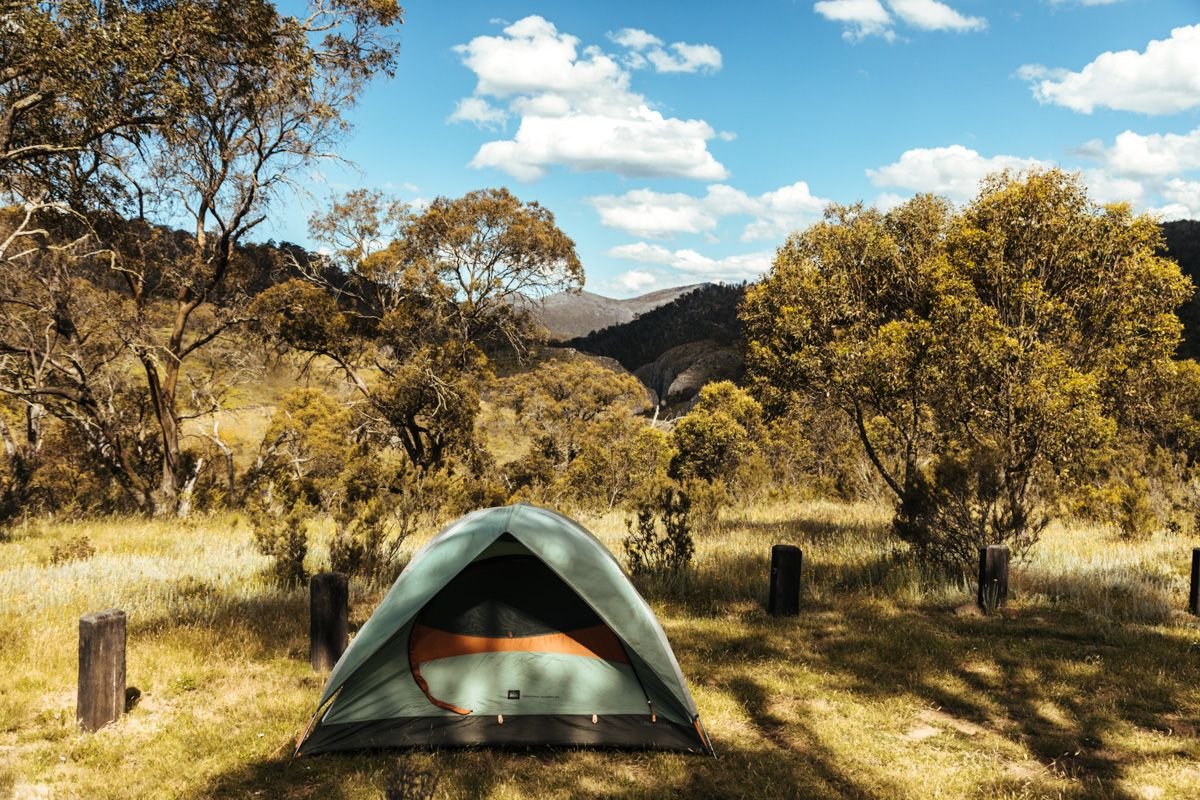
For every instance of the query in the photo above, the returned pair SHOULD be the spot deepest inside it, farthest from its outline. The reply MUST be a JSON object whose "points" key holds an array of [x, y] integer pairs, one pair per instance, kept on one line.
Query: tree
{"points": [[718, 435], [974, 353], [229, 101], [420, 309], [560, 400]]}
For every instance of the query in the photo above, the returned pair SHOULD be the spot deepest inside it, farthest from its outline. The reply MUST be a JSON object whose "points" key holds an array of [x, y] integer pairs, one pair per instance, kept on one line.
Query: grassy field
{"points": [[1088, 685]]}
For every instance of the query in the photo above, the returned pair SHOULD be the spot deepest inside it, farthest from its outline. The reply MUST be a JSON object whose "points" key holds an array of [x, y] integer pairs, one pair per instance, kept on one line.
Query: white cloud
{"points": [[954, 171], [692, 264], [932, 15], [577, 109], [1164, 79], [659, 215], [863, 18], [686, 58], [647, 49], [1174, 211], [1185, 192], [1084, 2], [1149, 155], [633, 280], [478, 111], [635, 39], [1104, 187], [886, 201]]}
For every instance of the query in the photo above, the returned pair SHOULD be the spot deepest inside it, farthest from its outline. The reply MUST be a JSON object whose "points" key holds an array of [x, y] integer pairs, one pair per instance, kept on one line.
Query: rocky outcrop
{"points": [[679, 373]]}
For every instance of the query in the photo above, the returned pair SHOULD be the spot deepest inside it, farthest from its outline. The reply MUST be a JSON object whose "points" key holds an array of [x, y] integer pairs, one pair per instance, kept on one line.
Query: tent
{"points": [[513, 626]]}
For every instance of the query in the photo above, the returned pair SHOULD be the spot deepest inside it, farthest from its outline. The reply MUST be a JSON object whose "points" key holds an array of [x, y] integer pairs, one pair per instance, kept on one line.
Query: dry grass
{"points": [[1087, 686]]}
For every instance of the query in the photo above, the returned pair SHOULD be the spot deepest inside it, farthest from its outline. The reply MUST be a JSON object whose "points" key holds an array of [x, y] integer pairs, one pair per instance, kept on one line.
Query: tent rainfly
{"points": [[513, 626]]}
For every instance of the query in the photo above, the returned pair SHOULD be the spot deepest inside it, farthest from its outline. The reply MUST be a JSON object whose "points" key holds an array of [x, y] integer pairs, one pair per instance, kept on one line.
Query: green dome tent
{"points": [[513, 626]]}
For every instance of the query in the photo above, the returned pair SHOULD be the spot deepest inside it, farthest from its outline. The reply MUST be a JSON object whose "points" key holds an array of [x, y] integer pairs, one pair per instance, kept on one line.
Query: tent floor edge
{"points": [[620, 731]]}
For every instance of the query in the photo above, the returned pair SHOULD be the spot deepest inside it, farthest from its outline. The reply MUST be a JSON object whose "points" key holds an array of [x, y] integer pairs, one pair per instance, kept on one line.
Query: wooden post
{"points": [[786, 561], [328, 619], [101, 697], [993, 577], [1194, 596]]}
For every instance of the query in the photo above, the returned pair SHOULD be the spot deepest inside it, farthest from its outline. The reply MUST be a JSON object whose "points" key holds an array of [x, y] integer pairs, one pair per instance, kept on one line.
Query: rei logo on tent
{"points": [[513, 596]]}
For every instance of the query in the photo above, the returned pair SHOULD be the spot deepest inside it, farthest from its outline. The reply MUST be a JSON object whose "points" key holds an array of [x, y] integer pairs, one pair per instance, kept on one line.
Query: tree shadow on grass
{"points": [[1065, 689]]}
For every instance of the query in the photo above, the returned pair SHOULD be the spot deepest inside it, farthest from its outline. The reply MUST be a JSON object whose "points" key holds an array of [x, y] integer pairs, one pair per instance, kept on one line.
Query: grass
{"points": [[886, 686]]}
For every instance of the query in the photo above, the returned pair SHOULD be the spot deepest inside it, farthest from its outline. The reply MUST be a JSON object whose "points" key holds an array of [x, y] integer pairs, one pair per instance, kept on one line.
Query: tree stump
{"points": [[786, 561], [328, 619], [1194, 595], [993, 577], [101, 697]]}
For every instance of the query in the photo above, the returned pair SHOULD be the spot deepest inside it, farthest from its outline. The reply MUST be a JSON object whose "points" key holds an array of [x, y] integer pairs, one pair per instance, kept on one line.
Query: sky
{"points": [[679, 143]]}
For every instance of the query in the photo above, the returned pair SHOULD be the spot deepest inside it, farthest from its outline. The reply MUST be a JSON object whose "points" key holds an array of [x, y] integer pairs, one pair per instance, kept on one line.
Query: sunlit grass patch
{"points": [[1088, 685]]}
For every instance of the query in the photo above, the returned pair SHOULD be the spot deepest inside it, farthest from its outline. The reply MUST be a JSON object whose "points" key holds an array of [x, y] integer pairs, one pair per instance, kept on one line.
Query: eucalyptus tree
{"points": [[978, 353], [417, 300], [216, 107]]}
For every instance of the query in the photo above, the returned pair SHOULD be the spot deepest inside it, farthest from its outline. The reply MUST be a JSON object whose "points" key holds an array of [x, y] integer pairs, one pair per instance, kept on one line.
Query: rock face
{"points": [[567, 316], [679, 373]]}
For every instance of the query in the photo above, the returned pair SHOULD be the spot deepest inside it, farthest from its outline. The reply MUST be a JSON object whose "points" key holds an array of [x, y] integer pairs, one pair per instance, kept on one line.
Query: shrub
{"points": [[660, 535], [77, 548], [284, 539]]}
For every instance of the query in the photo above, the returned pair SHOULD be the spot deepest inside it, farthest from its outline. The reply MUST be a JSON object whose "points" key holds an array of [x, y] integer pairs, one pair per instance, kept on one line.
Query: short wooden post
{"points": [[328, 619], [101, 697], [993, 577], [786, 561], [1194, 596]]}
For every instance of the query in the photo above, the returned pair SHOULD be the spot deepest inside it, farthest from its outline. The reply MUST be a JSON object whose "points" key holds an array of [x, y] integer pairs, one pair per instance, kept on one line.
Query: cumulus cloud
{"points": [[576, 107], [1155, 155], [931, 15], [647, 49], [659, 215], [633, 280], [635, 39], [954, 171], [479, 112], [689, 263], [863, 18], [1163, 79]]}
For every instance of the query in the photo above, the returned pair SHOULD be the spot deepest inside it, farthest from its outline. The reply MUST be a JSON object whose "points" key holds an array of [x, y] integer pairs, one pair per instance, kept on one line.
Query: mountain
{"points": [[679, 346], [1183, 244], [568, 315]]}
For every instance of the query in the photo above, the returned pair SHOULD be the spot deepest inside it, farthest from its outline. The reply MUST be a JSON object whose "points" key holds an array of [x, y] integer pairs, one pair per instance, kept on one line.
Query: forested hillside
{"points": [[709, 312], [1183, 245]]}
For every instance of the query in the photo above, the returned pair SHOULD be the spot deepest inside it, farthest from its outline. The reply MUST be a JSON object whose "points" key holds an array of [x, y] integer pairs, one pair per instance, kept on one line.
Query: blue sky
{"points": [[677, 143]]}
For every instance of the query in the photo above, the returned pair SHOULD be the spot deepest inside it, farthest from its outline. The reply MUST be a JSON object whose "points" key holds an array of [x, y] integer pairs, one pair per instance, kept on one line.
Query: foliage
{"points": [[718, 435], [620, 460], [973, 351], [77, 548], [560, 400], [218, 105], [420, 309], [304, 449], [282, 536], [659, 540]]}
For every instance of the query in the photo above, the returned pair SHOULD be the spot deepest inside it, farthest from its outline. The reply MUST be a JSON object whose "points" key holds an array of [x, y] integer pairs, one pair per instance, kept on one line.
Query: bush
{"points": [[78, 548], [660, 535], [360, 546], [959, 507], [284, 539]]}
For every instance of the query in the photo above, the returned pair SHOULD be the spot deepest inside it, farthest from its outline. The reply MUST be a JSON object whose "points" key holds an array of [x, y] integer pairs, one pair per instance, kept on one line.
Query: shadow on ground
{"points": [[1081, 698]]}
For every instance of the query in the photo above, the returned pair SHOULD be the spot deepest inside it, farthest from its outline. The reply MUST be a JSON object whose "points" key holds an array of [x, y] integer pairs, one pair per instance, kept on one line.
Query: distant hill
{"points": [[677, 347], [569, 315], [1183, 245]]}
